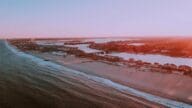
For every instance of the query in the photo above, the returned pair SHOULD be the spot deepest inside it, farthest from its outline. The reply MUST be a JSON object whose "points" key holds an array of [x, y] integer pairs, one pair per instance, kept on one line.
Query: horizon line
{"points": [[136, 36]]}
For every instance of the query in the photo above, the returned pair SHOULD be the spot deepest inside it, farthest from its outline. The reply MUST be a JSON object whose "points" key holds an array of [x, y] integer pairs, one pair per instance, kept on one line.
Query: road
{"points": [[30, 82]]}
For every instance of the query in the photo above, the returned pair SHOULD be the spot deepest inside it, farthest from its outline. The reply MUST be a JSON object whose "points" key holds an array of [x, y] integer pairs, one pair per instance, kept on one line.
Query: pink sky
{"points": [[60, 18]]}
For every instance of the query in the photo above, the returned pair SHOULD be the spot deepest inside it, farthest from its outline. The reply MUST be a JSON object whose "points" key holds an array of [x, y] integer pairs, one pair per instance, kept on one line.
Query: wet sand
{"points": [[30, 82], [173, 86]]}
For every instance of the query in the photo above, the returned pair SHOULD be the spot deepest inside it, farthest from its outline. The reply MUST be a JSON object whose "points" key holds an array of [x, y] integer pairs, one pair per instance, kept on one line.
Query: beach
{"points": [[178, 87]]}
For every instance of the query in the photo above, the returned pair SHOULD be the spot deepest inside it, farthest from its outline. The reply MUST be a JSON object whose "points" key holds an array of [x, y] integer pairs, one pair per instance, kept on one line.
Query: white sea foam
{"points": [[106, 82]]}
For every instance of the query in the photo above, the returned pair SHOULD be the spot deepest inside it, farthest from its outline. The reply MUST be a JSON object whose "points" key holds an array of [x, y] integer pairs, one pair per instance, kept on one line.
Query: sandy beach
{"points": [[31, 82], [155, 83]]}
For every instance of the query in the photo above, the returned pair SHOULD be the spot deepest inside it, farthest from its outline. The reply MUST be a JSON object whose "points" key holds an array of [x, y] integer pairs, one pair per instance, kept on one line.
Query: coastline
{"points": [[73, 87], [120, 87], [109, 71]]}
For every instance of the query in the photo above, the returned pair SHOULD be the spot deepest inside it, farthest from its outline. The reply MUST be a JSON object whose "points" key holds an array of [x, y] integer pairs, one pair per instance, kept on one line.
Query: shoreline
{"points": [[102, 82], [53, 85], [153, 98], [82, 68]]}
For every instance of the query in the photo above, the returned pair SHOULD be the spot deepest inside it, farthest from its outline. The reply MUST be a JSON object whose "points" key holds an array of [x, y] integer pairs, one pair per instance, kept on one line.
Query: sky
{"points": [[67, 18]]}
